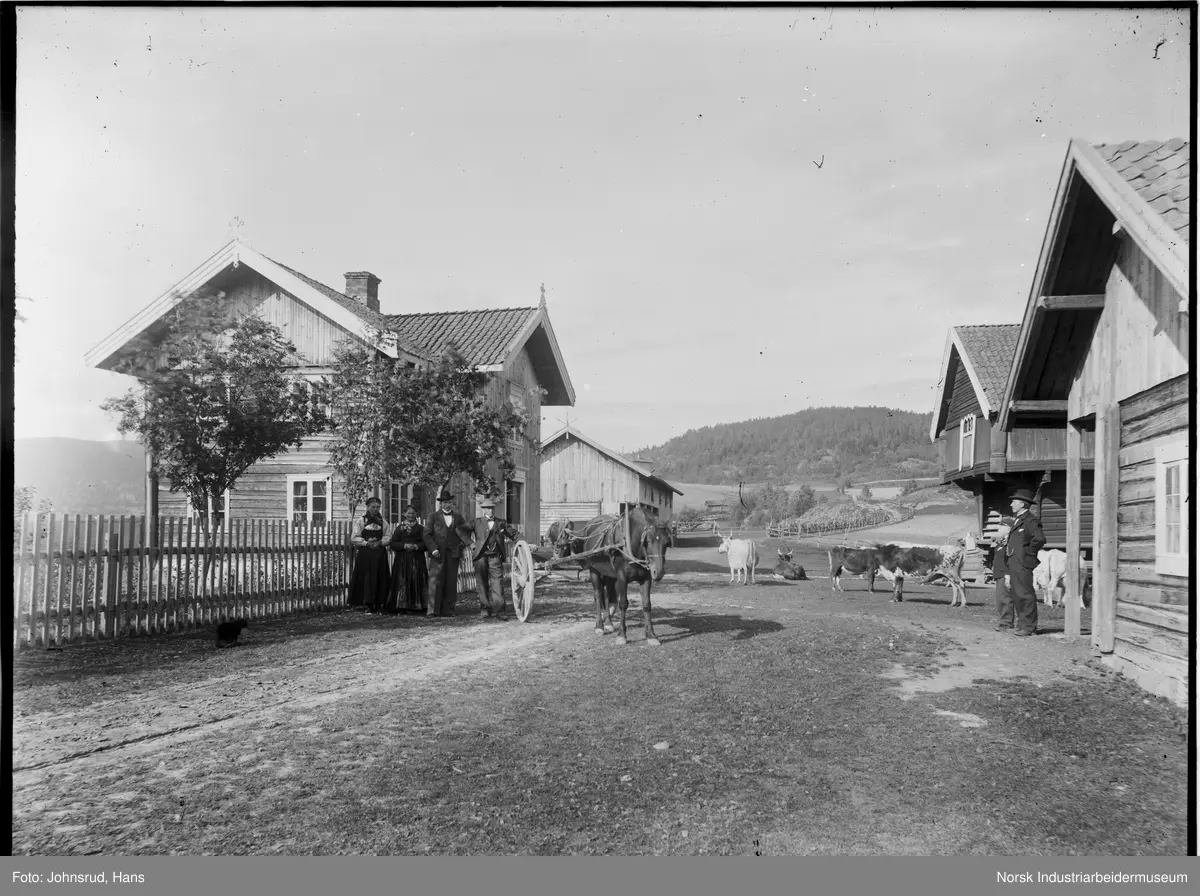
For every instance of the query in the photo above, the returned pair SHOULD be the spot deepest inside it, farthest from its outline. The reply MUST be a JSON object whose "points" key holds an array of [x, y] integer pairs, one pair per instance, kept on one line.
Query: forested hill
{"points": [[863, 443]]}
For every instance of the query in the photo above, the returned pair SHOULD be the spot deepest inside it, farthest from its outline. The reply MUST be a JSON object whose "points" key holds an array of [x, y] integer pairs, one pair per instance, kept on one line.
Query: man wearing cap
{"points": [[446, 534], [1021, 556], [488, 556]]}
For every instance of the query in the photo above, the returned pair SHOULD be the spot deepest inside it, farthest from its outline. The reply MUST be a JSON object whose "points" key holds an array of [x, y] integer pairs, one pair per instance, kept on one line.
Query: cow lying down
{"points": [[895, 562], [786, 569]]}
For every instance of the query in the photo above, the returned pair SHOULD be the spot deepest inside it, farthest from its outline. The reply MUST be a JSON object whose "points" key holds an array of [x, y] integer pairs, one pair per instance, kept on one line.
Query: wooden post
{"points": [[90, 606], [112, 581], [152, 495], [24, 622], [1072, 597], [1104, 539]]}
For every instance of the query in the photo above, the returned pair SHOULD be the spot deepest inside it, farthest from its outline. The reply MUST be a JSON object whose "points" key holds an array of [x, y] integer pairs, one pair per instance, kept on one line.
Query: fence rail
{"points": [[797, 530], [88, 578]]}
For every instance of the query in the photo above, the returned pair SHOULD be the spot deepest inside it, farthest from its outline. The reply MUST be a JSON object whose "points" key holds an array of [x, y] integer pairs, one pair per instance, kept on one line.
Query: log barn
{"points": [[1103, 352], [582, 479], [516, 346]]}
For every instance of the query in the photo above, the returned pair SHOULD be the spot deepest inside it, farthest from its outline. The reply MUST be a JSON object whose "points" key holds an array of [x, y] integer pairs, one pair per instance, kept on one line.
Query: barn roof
{"points": [[1160, 173], [1139, 187], [986, 352], [640, 468]]}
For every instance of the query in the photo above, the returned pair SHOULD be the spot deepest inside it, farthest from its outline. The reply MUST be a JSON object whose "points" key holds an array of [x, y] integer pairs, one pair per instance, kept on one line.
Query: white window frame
{"points": [[310, 478], [967, 423], [195, 514], [1170, 454]]}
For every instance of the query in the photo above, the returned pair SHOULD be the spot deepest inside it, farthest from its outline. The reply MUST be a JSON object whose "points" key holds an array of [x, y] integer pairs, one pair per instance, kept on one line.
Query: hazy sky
{"points": [[655, 168]]}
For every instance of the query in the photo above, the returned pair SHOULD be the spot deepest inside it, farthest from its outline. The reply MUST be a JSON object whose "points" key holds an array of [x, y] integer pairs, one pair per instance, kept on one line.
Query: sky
{"points": [[736, 213]]}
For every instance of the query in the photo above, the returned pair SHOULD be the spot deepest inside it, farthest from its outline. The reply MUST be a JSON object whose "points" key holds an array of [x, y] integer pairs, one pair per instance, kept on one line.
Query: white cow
{"points": [[743, 556], [1050, 577]]}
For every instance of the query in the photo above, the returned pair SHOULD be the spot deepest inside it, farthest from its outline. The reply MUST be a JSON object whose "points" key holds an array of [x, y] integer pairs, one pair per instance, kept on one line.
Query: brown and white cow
{"points": [[930, 563], [856, 561]]}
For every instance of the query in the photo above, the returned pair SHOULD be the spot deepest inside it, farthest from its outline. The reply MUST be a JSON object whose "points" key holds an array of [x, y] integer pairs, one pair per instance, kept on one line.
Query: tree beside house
{"points": [[515, 347]]}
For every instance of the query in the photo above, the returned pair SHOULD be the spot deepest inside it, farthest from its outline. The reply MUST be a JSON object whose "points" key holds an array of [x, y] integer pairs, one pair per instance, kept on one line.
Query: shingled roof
{"points": [[990, 349], [483, 337], [1160, 172]]}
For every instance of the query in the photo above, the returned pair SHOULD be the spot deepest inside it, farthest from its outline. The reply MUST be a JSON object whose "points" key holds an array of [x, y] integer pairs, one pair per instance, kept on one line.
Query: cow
{"points": [[743, 557], [928, 562], [1050, 578], [786, 569], [856, 561]]}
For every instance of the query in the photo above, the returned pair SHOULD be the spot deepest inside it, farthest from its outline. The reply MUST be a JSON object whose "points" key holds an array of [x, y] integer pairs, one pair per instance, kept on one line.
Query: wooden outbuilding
{"points": [[1103, 352], [985, 459], [582, 479]]}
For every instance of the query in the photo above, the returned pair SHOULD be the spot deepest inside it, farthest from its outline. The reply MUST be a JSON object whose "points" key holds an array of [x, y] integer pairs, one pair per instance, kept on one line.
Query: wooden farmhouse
{"points": [[1103, 354], [582, 479], [982, 457], [516, 346]]}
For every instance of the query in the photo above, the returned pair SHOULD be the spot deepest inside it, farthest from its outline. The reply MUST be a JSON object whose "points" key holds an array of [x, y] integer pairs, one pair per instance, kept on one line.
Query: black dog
{"points": [[227, 632]]}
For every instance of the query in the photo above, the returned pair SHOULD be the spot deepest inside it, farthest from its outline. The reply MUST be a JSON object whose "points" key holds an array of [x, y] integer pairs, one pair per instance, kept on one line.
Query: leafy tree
{"points": [[215, 399], [689, 515], [910, 487], [430, 423], [803, 500]]}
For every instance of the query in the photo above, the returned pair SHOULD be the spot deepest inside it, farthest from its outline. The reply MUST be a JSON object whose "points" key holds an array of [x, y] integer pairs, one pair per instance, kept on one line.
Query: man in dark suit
{"points": [[1021, 557], [446, 534], [491, 535]]}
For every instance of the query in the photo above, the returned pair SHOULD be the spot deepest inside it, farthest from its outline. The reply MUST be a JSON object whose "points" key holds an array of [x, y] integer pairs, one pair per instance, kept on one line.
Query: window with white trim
{"points": [[1171, 508], [399, 497], [308, 499], [966, 442], [218, 513]]}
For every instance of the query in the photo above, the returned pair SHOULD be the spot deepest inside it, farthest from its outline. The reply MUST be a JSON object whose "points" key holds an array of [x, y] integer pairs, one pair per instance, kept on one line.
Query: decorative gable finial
{"points": [[542, 303]]}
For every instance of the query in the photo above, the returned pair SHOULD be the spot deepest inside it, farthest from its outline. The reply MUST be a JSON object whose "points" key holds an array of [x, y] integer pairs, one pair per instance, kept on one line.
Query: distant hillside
{"points": [[864, 443], [81, 476]]}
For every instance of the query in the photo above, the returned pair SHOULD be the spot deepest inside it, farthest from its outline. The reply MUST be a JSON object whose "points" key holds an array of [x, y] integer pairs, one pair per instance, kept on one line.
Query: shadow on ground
{"points": [[693, 623]]}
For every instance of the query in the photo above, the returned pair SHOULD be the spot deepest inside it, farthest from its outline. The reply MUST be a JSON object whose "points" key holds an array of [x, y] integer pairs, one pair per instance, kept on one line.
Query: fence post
{"points": [[112, 584]]}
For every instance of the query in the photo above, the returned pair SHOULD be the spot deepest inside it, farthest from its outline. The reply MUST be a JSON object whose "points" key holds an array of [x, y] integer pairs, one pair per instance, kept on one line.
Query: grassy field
{"points": [[778, 718]]}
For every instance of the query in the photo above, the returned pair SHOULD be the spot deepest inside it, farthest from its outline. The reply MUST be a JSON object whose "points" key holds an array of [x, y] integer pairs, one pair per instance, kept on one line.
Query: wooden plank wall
{"points": [[1150, 632], [963, 400], [1141, 325], [1031, 444], [314, 335]]}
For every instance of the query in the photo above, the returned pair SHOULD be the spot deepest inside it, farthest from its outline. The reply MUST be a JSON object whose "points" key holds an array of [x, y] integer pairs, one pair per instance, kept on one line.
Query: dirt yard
{"points": [[778, 718]]}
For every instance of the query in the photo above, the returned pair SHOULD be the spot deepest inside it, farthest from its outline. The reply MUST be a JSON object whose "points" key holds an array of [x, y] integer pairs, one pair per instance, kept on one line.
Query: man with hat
{"points": [[1021, 557], [491, 534], [446, 534]]}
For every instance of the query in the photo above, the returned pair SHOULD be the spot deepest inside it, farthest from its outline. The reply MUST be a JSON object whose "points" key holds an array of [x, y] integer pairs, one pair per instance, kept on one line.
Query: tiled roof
{"points": [[990, 349], [483, 337], [1160, 172], [373, 318]]}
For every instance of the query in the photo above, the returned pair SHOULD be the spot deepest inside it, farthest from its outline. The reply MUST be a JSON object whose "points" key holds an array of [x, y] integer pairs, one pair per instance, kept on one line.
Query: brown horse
{"points": [[642, 560]]}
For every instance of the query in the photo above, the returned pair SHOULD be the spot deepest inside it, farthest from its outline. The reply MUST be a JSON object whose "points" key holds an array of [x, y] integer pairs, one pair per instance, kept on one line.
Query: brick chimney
{"points": [[363, 286]]}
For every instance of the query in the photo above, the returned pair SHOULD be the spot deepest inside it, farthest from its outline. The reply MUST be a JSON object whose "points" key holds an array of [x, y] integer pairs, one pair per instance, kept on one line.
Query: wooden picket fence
{"points": [[89, 578]]}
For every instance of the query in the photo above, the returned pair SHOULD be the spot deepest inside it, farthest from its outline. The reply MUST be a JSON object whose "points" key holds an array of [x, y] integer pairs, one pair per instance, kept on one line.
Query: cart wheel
{"points": [[522, 580]]}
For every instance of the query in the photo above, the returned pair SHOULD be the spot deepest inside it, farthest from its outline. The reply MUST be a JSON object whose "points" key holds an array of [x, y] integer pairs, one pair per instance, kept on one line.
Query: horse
{"points": [[642, 560]]}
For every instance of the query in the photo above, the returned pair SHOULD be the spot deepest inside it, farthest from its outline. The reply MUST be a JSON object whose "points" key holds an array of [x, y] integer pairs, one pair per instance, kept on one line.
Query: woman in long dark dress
{"points": [[372, 579], [410, 573]]}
